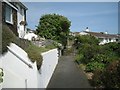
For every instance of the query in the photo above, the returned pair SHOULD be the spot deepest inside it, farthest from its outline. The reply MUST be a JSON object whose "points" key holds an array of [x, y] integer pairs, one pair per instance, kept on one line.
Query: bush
{"points": [[112, 47], [88, 51], [7, 37], [79, 58], [96, 78], [92, 66], [86, 39], [101, 58], [111, 76]]}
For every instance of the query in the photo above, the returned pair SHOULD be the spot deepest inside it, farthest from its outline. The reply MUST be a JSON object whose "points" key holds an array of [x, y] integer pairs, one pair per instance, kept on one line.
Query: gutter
{"points": [[29, 65], [6, 1]]}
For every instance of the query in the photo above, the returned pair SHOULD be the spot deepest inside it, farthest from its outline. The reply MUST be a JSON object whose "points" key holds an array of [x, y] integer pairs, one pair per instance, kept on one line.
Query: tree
{"points": [[55, 27]]}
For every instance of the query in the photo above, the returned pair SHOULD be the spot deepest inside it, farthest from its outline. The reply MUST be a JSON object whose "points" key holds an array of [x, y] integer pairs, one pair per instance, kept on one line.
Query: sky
{"points": [[98, 16]]}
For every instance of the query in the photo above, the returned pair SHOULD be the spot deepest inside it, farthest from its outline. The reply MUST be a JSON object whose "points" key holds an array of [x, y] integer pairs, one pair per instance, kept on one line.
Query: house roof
{"points": [[12, 4], [103, 35], [76, 33], [20, 3]]}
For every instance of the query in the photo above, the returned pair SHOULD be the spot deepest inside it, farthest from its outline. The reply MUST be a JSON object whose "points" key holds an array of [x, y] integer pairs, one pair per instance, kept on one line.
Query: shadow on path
{"points": [[68, 75]]}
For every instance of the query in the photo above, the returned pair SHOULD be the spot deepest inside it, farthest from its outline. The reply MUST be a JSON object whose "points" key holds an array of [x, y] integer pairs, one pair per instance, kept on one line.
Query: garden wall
{"points": [[50, 60], [20, 72]]}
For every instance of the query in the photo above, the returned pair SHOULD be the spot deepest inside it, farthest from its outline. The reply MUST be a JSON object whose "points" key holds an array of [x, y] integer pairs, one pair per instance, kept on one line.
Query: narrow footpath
{"points": [[68, 75]]}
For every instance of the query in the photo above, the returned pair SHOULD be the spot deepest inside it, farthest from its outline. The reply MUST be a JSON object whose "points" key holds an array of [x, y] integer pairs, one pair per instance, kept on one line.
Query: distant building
{"points": [[30, 35], [103, 37], [74, 33]]}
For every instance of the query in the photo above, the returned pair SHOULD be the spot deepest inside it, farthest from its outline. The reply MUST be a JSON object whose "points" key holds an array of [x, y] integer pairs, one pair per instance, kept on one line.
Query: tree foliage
{"points": [[54, 26]]}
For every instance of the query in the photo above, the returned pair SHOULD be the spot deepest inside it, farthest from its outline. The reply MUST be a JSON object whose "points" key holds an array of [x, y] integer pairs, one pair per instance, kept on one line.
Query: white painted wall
{"points": [[19, 75], [106, 40], [83, 33], [21, 17], [16, 72], [50, 60], [29, 36]]}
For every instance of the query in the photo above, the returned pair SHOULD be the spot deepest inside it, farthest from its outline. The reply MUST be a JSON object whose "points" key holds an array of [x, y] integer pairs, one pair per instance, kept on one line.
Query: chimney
{"points": [[106, 32], [87, 29]]}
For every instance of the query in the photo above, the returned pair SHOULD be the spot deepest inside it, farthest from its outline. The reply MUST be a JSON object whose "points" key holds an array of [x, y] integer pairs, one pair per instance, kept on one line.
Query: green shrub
{"points": [[79, 58], [96, 78], [7, 37], [112, 47], [101, 58], [92, 66], [88, 51], [34, 53], [111, 76], [86, 39]]}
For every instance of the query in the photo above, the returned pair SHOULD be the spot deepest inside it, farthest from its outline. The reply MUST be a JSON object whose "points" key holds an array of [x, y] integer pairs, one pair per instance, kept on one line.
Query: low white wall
{"points": [[50, 60], [17, 74]]}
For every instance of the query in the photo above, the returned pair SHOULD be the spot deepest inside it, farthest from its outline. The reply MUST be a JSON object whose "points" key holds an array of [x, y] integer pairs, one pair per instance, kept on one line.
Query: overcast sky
{"points": [[98, 16]]}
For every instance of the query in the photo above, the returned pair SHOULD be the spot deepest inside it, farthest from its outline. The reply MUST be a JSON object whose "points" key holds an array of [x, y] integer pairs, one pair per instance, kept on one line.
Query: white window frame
{"points": [[11, 15]]}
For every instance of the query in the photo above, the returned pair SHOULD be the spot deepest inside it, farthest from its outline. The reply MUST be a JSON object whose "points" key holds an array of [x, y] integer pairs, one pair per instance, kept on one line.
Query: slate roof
{"points": [[103, 35], [20, 3]]}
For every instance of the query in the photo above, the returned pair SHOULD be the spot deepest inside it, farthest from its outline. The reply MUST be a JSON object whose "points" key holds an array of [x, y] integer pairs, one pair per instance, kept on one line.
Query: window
{"points": [[8, 14], [117, 39], [21, 11], [100, 39], [109, 39]]}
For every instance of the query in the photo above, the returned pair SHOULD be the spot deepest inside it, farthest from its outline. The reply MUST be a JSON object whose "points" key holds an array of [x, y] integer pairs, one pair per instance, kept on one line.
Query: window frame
{"points": [[11, 14]]}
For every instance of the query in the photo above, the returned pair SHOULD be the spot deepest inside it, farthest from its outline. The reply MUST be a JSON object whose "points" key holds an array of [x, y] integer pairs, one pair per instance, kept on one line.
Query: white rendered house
{"points": [[103, 37], [21, 19], [14, 16]]}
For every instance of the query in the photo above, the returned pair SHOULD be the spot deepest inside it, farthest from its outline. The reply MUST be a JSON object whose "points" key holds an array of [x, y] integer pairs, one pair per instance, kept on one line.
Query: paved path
{"points": [[68, 75]]}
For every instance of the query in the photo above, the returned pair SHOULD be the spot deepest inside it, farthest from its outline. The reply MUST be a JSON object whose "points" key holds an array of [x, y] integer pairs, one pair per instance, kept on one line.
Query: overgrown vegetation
{"points": [[7, 37], [33, 51], [103, 61]]}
